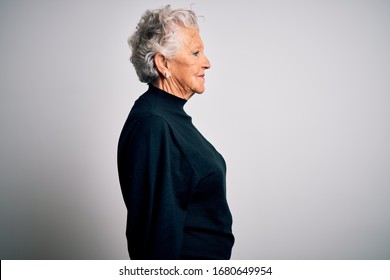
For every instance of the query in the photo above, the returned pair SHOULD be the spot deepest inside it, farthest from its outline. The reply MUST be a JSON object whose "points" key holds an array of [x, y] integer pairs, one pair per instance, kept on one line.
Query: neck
{"points": [[169, 85]]}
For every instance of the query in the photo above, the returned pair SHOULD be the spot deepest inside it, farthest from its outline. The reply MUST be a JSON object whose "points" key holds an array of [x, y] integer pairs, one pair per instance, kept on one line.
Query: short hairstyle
{"points": [[157, 31]]}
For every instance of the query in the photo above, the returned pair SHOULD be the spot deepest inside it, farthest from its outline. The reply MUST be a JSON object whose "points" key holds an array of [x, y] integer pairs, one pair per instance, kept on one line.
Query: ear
{"points": [[161, 64]]}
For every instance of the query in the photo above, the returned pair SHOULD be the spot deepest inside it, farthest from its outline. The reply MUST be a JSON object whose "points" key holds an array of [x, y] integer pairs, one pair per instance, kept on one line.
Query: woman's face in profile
{"points": [[189, 64]]}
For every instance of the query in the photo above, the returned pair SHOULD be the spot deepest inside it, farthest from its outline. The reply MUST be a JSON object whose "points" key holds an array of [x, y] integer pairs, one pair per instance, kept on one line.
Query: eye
{"points": [[195, 53]]}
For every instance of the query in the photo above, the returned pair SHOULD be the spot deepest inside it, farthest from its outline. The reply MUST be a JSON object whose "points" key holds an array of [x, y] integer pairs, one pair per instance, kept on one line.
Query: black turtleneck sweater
{"points": [[173, 184]]}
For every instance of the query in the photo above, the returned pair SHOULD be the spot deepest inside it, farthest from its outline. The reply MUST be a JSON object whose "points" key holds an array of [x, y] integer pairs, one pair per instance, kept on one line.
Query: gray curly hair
{"points": [[157, 31]]}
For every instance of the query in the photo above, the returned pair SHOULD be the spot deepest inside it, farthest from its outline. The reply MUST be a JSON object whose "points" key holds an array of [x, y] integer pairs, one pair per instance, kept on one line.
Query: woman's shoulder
{"points": [[146, 121]]}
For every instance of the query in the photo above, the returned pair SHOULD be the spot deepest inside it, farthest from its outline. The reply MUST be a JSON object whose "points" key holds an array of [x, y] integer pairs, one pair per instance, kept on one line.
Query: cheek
{"points": [[188, 72]]}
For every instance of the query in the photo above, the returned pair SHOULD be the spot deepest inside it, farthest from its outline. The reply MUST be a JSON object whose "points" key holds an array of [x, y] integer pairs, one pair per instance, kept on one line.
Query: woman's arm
{"points": [[155, 183]]}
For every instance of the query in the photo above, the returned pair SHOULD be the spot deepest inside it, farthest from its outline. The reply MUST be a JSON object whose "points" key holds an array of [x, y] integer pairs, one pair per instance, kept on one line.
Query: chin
{"points": [[199, 90]]}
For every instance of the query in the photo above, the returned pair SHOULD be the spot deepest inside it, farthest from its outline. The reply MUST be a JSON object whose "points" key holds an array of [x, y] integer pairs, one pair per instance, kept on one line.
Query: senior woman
{"points": [[172, 178]]}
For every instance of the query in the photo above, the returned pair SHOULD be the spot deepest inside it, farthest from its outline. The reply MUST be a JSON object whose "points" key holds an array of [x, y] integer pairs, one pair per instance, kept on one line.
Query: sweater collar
{"points": [[167, 97]]}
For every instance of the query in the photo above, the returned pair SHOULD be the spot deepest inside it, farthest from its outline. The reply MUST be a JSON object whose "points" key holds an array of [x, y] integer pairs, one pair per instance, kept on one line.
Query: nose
{"points": [[206, 63]]}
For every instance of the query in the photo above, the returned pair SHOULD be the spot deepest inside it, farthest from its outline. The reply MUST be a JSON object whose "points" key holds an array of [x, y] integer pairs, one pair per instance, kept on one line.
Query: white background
{"points": [[297, 100]]}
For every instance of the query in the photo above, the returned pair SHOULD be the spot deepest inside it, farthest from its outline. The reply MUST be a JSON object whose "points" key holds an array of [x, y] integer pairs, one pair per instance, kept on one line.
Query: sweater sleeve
{"points": [[155, 186]]}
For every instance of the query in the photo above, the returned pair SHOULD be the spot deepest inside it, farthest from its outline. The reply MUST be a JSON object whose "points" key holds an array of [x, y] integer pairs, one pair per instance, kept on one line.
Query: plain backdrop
{"points": [[297, 100]]}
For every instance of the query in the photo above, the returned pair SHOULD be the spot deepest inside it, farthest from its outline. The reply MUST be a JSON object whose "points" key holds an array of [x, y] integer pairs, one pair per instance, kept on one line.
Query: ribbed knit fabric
{"points": [[173, 183]]}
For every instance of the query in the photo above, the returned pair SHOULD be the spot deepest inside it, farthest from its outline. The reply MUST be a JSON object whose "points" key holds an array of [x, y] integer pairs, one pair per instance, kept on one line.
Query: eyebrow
{"points": [[198, 46], [195, 47]]}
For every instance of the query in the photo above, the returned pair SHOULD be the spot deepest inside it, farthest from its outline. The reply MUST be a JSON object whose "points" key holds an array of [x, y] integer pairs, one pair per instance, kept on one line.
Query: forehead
{"points": [[191, 37]]}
